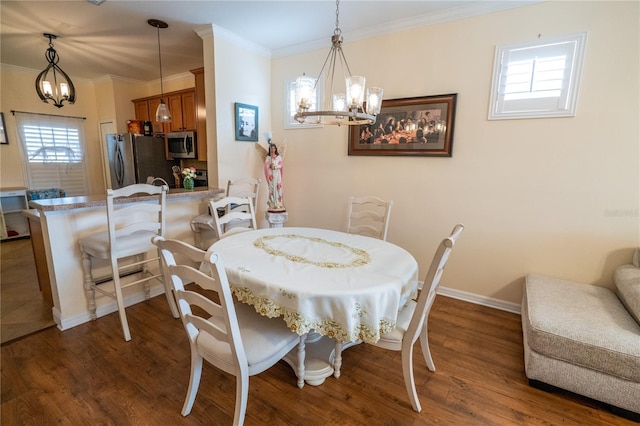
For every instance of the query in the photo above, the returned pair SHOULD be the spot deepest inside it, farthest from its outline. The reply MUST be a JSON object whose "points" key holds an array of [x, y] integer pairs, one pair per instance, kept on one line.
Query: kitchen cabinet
{"points": [[200, 114], [183, 111], [181, 104], [12, 223], [39, 255]]}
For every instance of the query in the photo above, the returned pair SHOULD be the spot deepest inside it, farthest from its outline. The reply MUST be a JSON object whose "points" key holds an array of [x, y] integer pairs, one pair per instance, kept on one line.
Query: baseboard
{"points": [[103, 309], [480, 300]]}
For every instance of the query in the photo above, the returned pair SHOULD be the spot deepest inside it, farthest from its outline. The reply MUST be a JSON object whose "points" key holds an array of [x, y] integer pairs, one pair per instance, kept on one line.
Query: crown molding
{"points": [[453, 14]]}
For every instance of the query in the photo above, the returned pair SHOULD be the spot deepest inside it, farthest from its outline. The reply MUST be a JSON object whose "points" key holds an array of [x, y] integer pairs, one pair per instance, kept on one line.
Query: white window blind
{"points": [[537, 79], [53, 152]]}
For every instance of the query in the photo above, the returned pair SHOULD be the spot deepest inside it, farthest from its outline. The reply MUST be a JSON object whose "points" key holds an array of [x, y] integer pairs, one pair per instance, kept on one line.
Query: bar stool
{"points": [[131, 226]]}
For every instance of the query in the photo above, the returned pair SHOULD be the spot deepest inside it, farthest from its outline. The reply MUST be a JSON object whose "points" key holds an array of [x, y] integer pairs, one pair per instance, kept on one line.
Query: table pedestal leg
{"points": [[318, 359]]}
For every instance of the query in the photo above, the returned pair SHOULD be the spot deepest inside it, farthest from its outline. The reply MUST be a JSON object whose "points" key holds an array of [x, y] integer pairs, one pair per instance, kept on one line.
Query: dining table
{"points": [[335, 289]]}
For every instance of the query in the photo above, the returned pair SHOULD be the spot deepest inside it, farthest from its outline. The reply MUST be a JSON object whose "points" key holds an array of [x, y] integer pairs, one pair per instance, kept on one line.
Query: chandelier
{"points": [[163, 115], [339, 108], [53, 83]]}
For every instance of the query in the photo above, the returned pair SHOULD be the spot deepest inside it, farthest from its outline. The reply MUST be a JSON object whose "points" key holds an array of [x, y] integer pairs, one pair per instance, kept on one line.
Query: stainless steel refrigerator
{"points": [[137, 159]]}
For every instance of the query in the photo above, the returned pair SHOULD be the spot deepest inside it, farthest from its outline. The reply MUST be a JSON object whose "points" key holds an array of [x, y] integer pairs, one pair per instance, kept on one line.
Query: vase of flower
{"points": [[189, 174], [187, 184]]}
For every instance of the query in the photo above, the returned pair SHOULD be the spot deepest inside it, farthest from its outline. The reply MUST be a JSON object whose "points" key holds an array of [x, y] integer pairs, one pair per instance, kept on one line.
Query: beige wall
{"points": [[554, 196], [246, 79]]}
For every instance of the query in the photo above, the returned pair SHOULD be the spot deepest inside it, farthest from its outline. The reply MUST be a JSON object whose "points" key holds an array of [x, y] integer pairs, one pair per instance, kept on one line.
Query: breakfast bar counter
{"points": [[63, 221]]}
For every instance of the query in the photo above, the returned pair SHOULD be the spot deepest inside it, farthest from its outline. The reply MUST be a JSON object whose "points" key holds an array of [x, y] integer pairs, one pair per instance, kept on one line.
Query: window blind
{"points": [[53, 150]]}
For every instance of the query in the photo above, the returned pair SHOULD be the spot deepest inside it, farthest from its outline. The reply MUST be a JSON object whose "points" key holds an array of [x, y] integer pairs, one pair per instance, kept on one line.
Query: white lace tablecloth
{"points": [[343, 286]]}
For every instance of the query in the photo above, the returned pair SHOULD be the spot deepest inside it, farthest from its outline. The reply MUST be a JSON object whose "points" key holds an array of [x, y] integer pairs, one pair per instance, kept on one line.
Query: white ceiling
{"points": [[115, 39]]}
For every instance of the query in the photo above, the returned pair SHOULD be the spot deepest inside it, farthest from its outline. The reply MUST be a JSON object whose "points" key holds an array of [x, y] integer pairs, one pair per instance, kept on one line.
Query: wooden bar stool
{"points": [[131, 226]]}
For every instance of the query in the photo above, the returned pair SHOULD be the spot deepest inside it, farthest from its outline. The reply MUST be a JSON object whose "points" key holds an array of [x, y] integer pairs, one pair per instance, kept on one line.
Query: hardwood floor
{"points": [[22, 309], [90, 375]]}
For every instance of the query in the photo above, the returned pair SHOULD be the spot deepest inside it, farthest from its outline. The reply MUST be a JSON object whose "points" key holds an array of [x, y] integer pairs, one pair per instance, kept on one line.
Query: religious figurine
{"points": [[273, 168]]}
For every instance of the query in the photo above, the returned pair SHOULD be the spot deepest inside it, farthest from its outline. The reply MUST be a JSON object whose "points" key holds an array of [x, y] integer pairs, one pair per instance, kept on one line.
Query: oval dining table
{"points": [[336, 288]]}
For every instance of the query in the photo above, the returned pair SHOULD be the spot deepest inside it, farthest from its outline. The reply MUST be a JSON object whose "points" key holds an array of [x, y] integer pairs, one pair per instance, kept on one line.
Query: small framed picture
{"points": [[246, 122], [3, 130]]}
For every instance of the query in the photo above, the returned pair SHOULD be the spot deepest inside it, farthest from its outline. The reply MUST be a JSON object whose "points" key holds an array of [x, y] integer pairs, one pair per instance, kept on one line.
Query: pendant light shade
{"points": [[163, 115], [53, 84]]}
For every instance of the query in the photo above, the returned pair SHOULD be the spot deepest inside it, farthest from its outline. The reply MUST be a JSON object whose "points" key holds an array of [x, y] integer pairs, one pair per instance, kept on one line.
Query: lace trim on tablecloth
{"points": [[362, 257], [301, 325]]}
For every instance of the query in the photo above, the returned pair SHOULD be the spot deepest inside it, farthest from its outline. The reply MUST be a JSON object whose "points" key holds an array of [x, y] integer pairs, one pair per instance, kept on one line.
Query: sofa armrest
{"points": [[627, 280]]}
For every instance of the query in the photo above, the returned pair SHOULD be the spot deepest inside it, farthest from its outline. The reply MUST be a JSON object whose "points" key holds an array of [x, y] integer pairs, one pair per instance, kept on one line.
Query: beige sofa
{"points": [[585, 338]]}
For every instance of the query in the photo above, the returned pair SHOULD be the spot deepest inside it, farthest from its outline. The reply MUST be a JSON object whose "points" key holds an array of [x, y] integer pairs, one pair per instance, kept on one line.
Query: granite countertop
{"points": [[70, 203]]}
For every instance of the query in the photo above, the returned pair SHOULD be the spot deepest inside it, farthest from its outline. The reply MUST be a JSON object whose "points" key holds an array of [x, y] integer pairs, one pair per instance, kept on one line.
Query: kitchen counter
{"points": [[70, 203], [63, 221]]}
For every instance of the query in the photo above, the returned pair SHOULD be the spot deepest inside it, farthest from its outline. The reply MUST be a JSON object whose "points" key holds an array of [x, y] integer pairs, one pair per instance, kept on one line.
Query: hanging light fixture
{"points": [[162, 113], [341, 107], [53, 83]]}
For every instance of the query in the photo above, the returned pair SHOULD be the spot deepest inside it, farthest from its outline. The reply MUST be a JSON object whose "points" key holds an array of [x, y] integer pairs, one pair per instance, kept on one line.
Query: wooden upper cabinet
{"points": [[142, 110], [183, 111], [182, 105], [200, 114], [189, 110], [174, 102]]}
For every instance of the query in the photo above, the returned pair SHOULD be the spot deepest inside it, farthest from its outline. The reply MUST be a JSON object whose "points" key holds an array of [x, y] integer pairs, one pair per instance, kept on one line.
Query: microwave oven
{"points": [[182, 144]]}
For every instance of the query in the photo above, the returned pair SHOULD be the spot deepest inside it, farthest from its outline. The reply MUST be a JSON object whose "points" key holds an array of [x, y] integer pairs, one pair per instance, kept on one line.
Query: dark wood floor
{"points": [[90, 375], [22, 310]]}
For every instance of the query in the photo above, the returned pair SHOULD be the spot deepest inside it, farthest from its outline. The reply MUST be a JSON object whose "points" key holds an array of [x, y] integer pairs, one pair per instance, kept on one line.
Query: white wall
{"points": [[244, 77], [554, 196]]}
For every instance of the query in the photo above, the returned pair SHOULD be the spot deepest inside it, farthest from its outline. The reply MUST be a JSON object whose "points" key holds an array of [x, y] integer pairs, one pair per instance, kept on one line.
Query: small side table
{"points": [[276, 220]]}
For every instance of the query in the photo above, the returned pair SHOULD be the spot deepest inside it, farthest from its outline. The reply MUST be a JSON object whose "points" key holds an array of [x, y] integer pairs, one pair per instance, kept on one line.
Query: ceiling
{"points": [[114, 38]]}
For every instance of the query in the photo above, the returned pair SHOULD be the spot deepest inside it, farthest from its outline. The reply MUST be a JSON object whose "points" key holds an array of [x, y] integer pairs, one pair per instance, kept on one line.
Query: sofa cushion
{"points": [[582, 324], [627, 279]]}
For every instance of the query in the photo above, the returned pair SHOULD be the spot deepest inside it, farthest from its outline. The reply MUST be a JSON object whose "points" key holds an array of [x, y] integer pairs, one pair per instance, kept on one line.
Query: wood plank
{"points": [[90, 375]]}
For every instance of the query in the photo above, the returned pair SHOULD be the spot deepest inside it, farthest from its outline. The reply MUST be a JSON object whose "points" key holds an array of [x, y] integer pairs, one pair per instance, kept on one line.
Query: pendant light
{"points": [[53, 83], [162, 113], [345, 107]]}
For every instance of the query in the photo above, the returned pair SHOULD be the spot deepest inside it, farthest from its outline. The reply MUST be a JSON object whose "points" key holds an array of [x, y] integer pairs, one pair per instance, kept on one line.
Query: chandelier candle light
{"points": [[163, 115], [53, 83], [346, 108]]}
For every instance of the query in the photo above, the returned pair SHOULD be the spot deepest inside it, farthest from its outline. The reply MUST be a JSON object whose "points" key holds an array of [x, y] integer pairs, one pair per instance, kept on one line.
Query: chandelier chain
{"points": [[337, 30]]}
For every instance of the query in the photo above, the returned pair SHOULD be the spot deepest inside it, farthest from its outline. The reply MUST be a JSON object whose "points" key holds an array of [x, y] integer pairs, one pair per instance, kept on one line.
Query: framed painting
{"points": [[246, 122], [421, 126], [3, 130]]}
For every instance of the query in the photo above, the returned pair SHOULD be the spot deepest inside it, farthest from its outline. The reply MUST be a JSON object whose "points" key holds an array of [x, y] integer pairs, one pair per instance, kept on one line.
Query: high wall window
{"points": [[537, 79], [53, 152], [290, 107]]}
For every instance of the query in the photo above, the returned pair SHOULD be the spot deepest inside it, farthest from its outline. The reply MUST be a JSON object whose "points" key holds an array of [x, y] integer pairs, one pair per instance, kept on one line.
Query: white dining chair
{"points": [[369, 216], [242, 187], [232, 337], [130, 227], [234, 219], [413, 318]]}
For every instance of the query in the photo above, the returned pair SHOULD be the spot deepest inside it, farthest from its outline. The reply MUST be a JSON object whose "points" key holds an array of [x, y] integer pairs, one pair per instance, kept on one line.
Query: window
{"points": [[53, 152], [537, 79], [290, 107]]}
